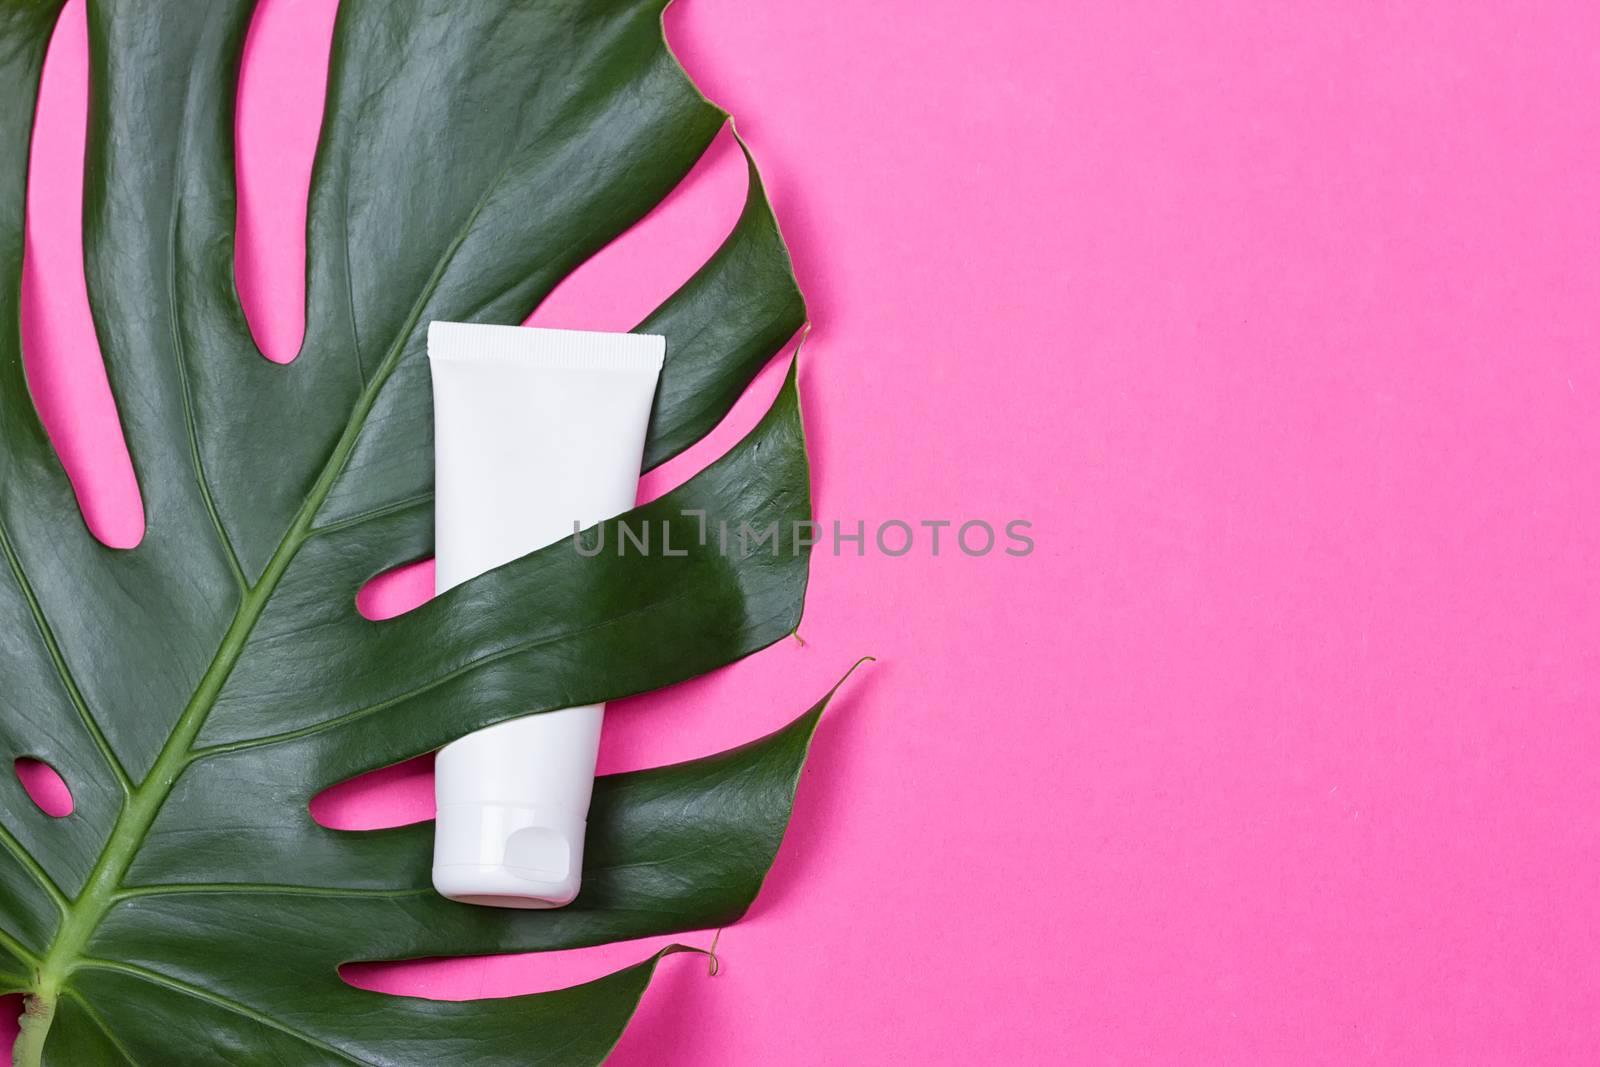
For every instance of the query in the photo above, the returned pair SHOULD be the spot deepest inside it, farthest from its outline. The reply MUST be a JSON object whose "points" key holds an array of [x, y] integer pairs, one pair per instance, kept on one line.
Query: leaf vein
{"points": [[466, 668], [33, 867], [59, 659], [372, 514], [178, 889], [18, 949], [349, 280], [95, 1017], [191, 431], [239, 1008]]}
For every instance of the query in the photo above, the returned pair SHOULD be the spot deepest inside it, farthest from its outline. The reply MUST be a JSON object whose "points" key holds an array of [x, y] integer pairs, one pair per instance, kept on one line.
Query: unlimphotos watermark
{"points": [[742, 539]]}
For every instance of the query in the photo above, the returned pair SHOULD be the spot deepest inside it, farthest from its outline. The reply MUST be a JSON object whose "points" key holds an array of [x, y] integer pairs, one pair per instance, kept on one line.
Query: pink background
{"points": [[1280, 323]]}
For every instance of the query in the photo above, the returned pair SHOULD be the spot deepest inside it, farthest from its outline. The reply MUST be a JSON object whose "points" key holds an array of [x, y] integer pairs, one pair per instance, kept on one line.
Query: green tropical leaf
{"points": [[196, 691]]}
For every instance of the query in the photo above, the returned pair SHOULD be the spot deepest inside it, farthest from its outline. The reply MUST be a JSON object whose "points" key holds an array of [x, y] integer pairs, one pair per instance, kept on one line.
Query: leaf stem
{"points": [[38, 1010]]}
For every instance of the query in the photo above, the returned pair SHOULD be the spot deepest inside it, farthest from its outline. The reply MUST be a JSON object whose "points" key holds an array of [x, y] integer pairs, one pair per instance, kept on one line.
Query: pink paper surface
{"points": [[1280, 323]]}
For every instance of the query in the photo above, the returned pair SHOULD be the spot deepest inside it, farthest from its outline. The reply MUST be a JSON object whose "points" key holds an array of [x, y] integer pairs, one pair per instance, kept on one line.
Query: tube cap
{"points": [[508, 856]]}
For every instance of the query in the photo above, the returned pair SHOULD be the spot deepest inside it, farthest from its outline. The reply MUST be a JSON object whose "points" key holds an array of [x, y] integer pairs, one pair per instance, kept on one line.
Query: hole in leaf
{"points": [[66, 373], [282, 89], [629, 278], [397, 591], [512, 974], [44, 787], [390, 796], [743, 417]]}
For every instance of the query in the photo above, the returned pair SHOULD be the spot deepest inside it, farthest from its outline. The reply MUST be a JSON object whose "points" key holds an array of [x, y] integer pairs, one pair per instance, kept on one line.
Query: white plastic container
{"points": [[534, 431]]}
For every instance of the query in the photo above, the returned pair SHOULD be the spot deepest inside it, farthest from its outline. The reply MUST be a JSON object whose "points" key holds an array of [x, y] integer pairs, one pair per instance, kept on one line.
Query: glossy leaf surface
{"points": [[196, 691]]}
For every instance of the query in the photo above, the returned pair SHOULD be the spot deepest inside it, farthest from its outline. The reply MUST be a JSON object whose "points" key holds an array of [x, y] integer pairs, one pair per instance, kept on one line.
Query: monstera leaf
{"points": [[196, 691]]}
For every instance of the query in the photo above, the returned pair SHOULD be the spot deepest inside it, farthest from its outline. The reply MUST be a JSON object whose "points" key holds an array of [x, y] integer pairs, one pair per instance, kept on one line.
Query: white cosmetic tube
{"points": [[534, 431]]}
